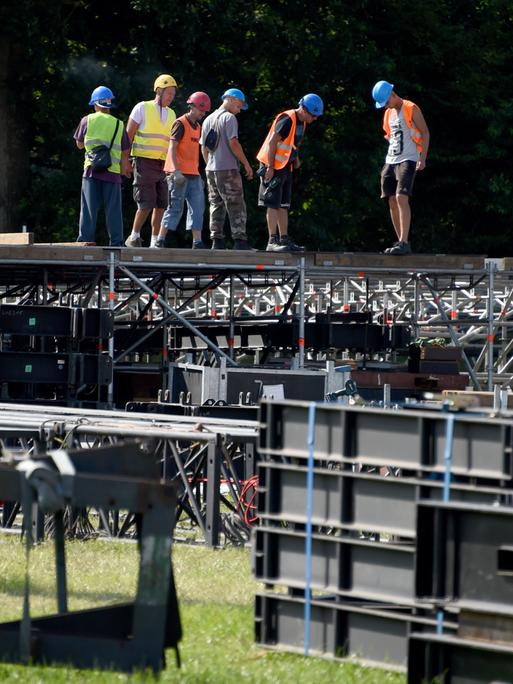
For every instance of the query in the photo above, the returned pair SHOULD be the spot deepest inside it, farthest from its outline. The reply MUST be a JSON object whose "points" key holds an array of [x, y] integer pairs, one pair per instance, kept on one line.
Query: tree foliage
{"points": [[452, 57]]}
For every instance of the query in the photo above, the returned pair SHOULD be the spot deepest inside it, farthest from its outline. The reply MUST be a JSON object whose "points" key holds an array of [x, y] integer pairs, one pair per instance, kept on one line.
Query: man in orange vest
{"points": [[183, 177], [149, 129], [408, 142], [278, 156]]}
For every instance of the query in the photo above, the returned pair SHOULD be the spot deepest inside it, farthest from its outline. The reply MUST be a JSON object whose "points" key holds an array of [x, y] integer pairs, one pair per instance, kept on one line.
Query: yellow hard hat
{"points": [[164, 81]]}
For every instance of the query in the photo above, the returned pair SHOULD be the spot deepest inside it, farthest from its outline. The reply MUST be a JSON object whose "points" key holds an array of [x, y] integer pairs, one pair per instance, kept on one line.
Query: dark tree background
{"points": [[453, 58]]}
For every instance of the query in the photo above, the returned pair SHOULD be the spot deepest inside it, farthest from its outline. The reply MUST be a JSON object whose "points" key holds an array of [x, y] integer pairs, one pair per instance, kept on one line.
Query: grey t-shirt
{"points": [[222, 159]]}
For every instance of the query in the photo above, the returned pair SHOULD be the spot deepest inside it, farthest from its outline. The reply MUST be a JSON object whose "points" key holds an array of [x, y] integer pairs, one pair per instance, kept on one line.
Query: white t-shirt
{"points": [[137, 114], [401, 146]]}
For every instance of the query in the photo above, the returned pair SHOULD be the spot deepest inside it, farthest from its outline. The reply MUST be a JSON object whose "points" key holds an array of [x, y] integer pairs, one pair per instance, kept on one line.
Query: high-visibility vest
{"points": [[99, 131], [153, 140], [284, 148], [408, 117], [187, 150]]}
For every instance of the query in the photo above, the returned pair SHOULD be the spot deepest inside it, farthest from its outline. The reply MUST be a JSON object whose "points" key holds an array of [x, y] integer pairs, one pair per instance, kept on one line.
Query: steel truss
{"points": [[465, 300], [208, 459]]}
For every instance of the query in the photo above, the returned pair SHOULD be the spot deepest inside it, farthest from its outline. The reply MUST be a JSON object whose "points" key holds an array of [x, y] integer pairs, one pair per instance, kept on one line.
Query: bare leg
{"points": [[272, 221], [139, 220], [156, 221], [283, 221], [403, 203], [394, 215]]}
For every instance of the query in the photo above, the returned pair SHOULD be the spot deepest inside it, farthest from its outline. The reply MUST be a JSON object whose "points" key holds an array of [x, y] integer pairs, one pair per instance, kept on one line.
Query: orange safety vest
{"points": [[408, 117], [285, 147], [187, 150]]}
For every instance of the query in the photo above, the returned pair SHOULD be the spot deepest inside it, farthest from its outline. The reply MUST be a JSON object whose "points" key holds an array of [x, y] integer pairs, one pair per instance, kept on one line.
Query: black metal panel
{"points": [[37, 320], [373, 632], [36, 368], [465, 556], [458, 661]]}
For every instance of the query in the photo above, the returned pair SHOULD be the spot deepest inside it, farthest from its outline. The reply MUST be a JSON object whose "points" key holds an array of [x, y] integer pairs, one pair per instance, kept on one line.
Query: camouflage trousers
{"points": [[226, 196]]}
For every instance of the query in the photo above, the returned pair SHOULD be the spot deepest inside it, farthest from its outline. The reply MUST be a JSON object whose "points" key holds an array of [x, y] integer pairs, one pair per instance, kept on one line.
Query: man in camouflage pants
{"points": [[223, 154]]}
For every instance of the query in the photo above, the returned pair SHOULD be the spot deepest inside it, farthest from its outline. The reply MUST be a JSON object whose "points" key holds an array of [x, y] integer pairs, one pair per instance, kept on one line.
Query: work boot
{"points": [[243, 245], [289, 246], [133, 242], [199, 244], [160, 243], [400, 249], [218, 243]]}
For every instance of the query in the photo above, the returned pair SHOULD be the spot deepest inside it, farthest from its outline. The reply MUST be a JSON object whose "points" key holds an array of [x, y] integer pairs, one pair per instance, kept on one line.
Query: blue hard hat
{"points": [[235, 92], [313, 104], [381, 92], [100, 95]]}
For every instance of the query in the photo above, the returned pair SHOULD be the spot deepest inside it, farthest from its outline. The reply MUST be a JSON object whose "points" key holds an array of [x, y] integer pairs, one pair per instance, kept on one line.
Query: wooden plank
{"points": [[16, 238], [226, 257], [68, 244], [404, 380], [365, 260], [472, 398]]}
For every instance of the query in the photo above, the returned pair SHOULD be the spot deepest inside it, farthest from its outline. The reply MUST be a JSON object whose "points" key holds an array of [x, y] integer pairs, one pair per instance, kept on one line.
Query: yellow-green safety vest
{"points": [[153, 140], [100, 129]]}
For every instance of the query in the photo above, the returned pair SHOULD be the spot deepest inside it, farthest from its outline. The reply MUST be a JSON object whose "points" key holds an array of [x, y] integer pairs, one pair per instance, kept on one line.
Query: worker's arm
{"points": [[126, 167], [204, 153], [271, 152], [173, 146], [237, 150], [420, 123], [79, 144], [131, 129]]}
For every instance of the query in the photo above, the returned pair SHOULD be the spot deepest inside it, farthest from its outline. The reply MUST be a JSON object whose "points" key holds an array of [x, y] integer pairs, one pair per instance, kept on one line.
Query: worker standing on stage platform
{"points": [[184, 181], [223, 154], [106, 147], [408, 144], [149, 130], [278, 157]]}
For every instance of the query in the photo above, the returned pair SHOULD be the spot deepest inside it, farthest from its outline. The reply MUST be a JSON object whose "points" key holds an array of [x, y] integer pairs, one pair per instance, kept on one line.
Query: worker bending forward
{"points": [[408, 144], [278, 157], [183, 177]]}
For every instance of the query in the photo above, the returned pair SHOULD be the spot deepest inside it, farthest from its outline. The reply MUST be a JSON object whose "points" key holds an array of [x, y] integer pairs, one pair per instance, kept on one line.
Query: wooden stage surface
{"points": [[53, 254]]}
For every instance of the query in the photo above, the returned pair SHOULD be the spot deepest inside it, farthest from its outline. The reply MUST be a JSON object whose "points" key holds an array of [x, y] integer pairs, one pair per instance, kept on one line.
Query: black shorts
{"points": [[397, 179], [279, 196], [150, 186]]}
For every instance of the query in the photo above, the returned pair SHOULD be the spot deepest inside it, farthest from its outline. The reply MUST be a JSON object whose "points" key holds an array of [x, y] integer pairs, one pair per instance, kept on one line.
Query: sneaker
{"points": [[218, 243], [133, 242], [289, 246], [199, 244], [389, 249], [243, 245], [400, 249], [159, 243], [274, 246]]}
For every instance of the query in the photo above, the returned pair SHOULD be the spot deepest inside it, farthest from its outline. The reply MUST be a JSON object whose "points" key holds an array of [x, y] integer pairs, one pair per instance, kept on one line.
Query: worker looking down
{"points": [[223, 155], [183, 176], [149, 129], [408, 142], [279, 156]]}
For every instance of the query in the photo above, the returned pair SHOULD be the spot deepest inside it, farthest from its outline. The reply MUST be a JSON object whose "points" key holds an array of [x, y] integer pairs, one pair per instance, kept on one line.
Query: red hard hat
{"points": [[201, 101]]}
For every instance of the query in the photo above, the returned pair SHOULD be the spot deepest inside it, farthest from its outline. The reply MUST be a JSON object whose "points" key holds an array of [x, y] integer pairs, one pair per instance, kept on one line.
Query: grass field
{"points": [[215, 592]]}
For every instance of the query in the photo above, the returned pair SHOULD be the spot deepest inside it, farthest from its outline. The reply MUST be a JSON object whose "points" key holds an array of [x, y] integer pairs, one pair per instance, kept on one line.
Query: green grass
{"points": [[215, 592]]}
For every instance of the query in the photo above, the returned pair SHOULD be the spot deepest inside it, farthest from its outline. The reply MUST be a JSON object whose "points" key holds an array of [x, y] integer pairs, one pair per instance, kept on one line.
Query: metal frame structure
{"points": [[208, 459], [466, 300], [128, 636]]}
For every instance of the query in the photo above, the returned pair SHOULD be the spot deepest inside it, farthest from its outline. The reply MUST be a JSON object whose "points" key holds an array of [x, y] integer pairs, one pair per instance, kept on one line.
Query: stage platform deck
{"points": [[55, 258]]}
